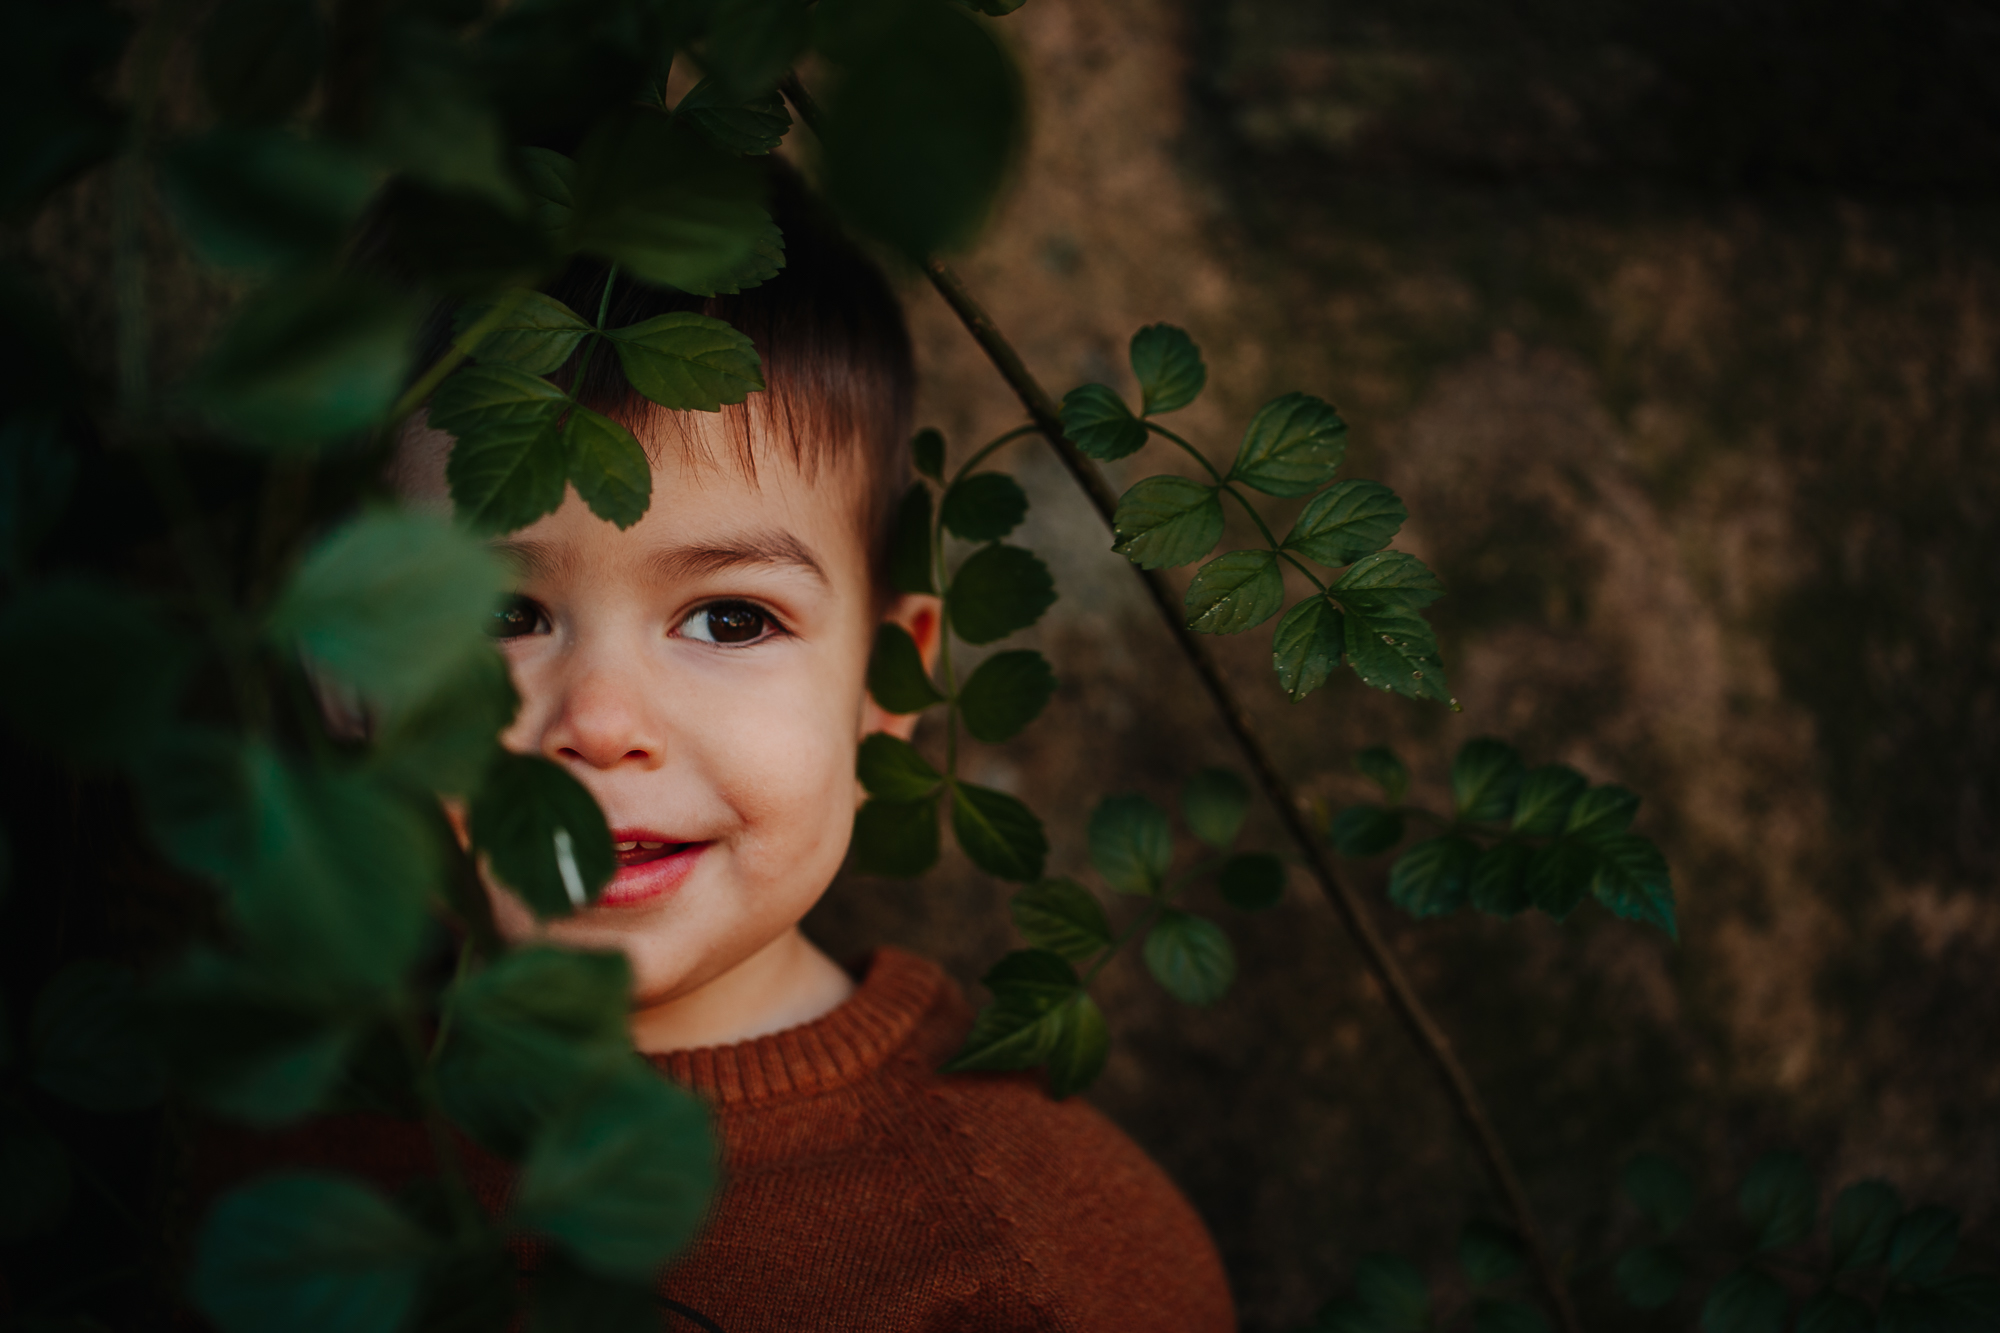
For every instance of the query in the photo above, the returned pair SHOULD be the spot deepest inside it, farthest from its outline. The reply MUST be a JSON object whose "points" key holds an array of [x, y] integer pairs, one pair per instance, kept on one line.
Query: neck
{"points": [[786, 983]]}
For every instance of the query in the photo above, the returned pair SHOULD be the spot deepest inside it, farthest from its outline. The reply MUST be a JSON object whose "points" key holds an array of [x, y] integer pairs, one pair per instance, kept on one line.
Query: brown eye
{"points": [[516, 617], [726, 622]]}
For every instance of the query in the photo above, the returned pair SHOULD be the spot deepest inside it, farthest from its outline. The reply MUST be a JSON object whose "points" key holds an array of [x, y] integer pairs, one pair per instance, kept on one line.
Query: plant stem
{"points": [[1124, 938], [1222, 484]]}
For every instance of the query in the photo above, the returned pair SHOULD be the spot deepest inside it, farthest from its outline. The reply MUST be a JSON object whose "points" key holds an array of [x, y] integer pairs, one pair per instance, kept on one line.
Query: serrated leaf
{"points": [[1307, 646], [1560, 874], [1661, 1189], [608, 468], [1650, 1276], [87, 1043], [1434, 877], [688, 362], [1601, 813], [1542, 807], [895, 839], [1062, 916], [259, 57], [896, 676], [1346, 521], [543, 834], [1252, 881], [1779, 1199], [508, 466], [892, 769], [1365, 830], [910, 542], [1507, 1317], [1016, 1031], [997, 591], [984, 507], [927, 452], [1488, 1253], [1393, 1290], [1747, 1301], [1082, 1043], [264, 198], [1633, 882], [1380, 765], [535, 335], [1005, 693], [1864, 1218], [1165, 521], [1190, 956], [1387, 581], [1169, 368], [1131, 843], [1395, 650], [90, 670], [1293, 446], [1234, 592], [1922, 1244], [1214, 802], [1000, 834], [756, 124], [1500, 880], [1836, 1312], [1485, 777], [1099, 424]]}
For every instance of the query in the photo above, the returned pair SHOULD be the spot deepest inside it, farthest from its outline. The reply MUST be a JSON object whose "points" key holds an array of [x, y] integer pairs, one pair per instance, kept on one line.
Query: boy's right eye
{"points": [[516, 617]]}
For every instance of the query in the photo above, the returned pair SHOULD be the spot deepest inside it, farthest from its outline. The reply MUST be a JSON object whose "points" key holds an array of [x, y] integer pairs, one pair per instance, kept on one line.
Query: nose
{"points": [[603, 717]]}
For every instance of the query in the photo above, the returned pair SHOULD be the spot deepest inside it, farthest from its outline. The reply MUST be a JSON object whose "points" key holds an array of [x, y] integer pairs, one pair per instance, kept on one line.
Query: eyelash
{"points": [[517, 608]]}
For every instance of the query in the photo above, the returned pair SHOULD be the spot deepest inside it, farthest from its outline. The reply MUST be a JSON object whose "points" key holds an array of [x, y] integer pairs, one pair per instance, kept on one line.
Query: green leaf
{"points": [[308, 360], [1190, 956], [1306, 647], [1500, 880], [1000, 835], [1024, 1023], [90, 670], [1005, 693], [1864, 1218], [311, 1253], [508, 467], [1836, 1312], [1507, 1317], [1542, 807], [895, 839], [607, 467], [927, 452], [893, 770], [623, 1177], [1252, 881], [259, 57], [1082, 1043], [430, 120], [1365, 830], [1131, 844], [1214, 802], [245, 1042], [1747, 1301], [392, 604], [1393, 1290], [1385, 581], [1633, 881], [1063, 917], [755, 124], [1379, 764], [35, 1166], [1779, 1199], [751, 43], [536, 335], [688, 362], [444, 743], [1234, 592], [1165, 521], [1650, 1276], [1169, 368], [1923, 1243], [1346, 521], [984, 507], [264, 198], [1099, 424], [543, 834], [998, 590], [896, 676], [910, 543], [1434, 877], [1293, 446], [1560, 874], [1661, 1189], [1488, 1253], [551, 179], [1395, 650], [87, 1041], [1601, 813], [1485, 778]]}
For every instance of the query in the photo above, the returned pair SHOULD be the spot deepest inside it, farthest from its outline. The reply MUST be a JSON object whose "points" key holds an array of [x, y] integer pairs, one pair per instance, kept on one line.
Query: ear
{"points": [[921, 616]]}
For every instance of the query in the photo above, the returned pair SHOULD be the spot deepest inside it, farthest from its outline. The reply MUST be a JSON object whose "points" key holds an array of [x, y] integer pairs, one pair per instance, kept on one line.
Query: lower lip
{"points": [[649, 881]]}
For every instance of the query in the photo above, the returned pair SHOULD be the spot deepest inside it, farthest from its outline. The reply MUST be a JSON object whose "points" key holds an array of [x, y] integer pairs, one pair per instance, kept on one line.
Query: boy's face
{"points": [[702, 673]]}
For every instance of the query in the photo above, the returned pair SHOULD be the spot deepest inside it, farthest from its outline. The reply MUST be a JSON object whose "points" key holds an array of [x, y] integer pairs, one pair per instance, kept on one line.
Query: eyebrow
{"points": [[543, 559]]}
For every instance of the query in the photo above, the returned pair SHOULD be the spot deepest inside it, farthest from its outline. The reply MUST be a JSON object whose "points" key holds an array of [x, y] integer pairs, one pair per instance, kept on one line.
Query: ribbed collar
{"points": [[895, 993]]}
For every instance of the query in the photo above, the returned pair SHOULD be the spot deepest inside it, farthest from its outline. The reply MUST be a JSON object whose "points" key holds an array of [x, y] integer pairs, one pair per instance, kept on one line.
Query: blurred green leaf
{"points": [[1650, 1276], [984, 507], [1131, 844], [551, 180], [1234, 592], [392, 604], [1293, 446], [261, 198], [90, 670], [508, 467], [1507, 1317], [1433, 878], [927, 452], [308, 360], [608, 468], [896, 676], [444, 743], [1063, 917], [754, 124], [1499, 884], [1560, 874], [430, 120], [1190, 956], [1488, 1253], [751, 43], [569, 1298], [998, 590], [1485, 778], [1346, 521], [1836, 1312], [1601, 813], [1214, 802], [999, 833], [557, 67], [535, 336], [259, 58], [1661, 1189], [1005, 693], [1395, 650], [1864, 1218], [1923, 1243], [1380, 765], [1394, 1291], [246, 1042], [310, 1253], [1165, 521], [892, 769], [1169, 368], [895, 839], [87, 1042], [1747, 1301], [623, 1177], [543, 834], [1542, 807], [1365, 830], [35, 1166], [688, 362], [1099, 424], [1082, 1043], [1633, 881], [1252, 881], [1779, 1199], [1307, 645], [910, 543], [1387, 581]]}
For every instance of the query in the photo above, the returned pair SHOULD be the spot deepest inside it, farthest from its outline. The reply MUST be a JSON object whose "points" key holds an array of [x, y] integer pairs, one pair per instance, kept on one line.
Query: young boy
{"points": [[702, 673]]}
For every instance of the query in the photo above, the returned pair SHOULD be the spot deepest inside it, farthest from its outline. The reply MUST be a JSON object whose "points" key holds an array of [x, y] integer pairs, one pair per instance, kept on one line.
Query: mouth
{"points": [[651, 865], [638, 851]]}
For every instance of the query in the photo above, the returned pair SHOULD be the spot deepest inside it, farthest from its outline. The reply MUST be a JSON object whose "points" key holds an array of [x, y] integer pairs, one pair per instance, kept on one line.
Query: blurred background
{"points": [[1675, 325]]}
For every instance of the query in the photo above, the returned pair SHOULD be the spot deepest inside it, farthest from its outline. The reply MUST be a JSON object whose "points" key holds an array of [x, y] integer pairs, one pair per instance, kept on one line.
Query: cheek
{"points": [[786, 767]]}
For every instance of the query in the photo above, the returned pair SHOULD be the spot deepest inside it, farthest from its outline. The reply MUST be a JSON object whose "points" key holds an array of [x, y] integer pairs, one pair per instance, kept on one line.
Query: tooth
{"points": [[625, 846], [652, 846]]}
